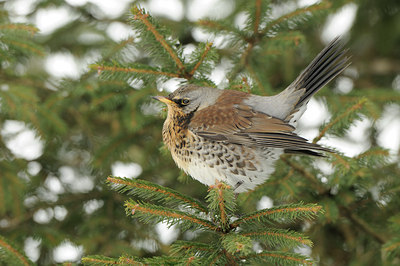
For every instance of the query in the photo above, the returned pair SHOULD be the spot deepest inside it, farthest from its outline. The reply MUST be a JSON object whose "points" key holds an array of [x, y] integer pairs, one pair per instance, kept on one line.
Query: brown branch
{"points": [[255, 78], [220, 187], [216, 258], [212, 25], [372, 152], [166, 213], [134, 70], [297, 12], [86, 260], [314, 209], [257, 16], [203, 56], [349, 110], [281, 256], [31, 29], [391, 247], [156, 189], [129, 261], [297, 239], [231, 260], [5, 245], [340, 160], [26, 46], [143, 17]]}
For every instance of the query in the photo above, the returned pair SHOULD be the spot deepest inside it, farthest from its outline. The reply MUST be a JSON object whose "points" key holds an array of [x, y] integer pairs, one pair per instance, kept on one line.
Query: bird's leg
{"points": [[238, 184]]}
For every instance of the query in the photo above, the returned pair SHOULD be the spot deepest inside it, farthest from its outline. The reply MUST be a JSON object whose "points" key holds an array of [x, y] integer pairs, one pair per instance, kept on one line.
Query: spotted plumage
{"points": [[236, 137]]}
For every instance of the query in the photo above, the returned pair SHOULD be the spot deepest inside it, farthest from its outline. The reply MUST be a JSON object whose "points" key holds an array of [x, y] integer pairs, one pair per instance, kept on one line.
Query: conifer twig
{"points": [[150, 187], [25, 46], [305, 210], [349, 110], [276, 233], [279, 255], [190, 247], [376, 152], [213, 25], [143, 17], [130, 261], [100, 260], [5, 245], [219, 187], [100, 68], [153, 210], [203, 56], [257, 17], [24, 27], [297, 12]]}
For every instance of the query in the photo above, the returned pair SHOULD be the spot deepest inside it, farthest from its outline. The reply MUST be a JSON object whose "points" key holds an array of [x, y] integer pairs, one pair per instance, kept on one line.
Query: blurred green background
{"points": [[64, 130]]}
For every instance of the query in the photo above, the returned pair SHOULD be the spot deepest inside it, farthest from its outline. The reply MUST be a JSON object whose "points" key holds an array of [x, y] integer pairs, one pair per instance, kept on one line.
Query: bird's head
{"points": [[188, 99]]}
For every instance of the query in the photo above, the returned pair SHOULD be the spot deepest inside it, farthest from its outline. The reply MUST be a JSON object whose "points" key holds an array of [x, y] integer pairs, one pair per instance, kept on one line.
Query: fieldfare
{"points": [[236, 137]]}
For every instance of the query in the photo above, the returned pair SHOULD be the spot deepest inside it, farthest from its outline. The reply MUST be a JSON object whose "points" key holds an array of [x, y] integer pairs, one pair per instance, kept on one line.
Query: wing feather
{"points": [[232, 122]]}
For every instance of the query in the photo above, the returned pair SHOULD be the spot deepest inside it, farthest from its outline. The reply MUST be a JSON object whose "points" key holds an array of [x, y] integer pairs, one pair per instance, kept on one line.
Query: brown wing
{"points": [[231, 122]]}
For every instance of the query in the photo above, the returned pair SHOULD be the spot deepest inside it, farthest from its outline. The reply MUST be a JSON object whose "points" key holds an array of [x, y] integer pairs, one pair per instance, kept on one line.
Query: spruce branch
{"points": [[279, 237], [203, 56], [12, 255], [237, 244], [148, 190], [100, 260], [18, 26], [221, 200], [300, 11], [392, 248], [339, 118], [257, 17], [149, 212], [373, 152], [139, 14], [132, 261], [190, 247], [217, 26], [172, 261], [24, 46], [114, 69], [278, 258], [115, 49], [288, 213]]}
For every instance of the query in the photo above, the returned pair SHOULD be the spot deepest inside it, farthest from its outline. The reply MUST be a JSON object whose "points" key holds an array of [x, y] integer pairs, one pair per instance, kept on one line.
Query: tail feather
{"points": [[329, 63]]}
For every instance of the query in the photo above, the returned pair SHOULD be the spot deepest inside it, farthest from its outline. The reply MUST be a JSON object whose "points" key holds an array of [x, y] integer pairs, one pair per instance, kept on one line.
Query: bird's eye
{"points": [[184, 101]]}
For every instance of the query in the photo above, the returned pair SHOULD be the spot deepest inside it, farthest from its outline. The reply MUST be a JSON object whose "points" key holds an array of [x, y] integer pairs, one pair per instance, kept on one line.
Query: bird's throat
{"points": [[175, 130]]}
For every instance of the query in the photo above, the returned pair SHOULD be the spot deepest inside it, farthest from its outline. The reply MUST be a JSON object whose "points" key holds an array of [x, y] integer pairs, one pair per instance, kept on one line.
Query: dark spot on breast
{"points": [[251, 167], [240, 164]]}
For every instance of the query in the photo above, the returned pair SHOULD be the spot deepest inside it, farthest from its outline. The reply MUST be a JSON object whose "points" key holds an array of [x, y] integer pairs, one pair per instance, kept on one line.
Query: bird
{"points": [[235, 137]]}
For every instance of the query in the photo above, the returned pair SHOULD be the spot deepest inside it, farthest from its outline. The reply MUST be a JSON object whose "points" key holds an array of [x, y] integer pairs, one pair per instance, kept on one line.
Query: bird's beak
{"points": [[162, 99]]}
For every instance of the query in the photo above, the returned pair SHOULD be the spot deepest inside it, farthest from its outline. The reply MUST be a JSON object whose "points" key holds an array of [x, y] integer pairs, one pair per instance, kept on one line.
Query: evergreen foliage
{"points": [[231, 238], [88, 123]]}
